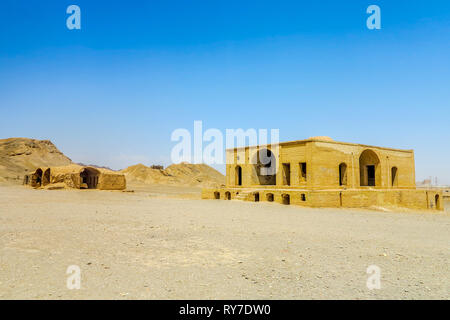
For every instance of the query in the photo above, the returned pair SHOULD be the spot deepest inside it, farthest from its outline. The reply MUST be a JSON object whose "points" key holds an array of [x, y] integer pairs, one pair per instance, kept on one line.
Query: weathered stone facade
{"points": [[75, 176], [320, 172]]}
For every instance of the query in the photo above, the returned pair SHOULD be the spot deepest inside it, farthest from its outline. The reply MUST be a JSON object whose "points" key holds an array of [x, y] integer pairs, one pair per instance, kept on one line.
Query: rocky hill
{"points": [[184, 174], [19, 156]]}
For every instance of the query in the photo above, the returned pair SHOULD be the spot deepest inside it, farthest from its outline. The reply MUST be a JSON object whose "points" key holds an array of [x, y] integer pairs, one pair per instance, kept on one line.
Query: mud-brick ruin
{"points": [[75, 176], [320, 172]]}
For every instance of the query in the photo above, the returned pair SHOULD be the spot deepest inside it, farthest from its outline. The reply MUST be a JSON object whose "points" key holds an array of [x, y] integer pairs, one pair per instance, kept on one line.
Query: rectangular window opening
{"points": [[286, 174], [303, 172]]}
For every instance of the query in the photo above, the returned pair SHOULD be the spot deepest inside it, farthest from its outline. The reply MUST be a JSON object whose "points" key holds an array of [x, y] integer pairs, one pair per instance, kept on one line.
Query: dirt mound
{"points": [[183, 174], [19, 156]]}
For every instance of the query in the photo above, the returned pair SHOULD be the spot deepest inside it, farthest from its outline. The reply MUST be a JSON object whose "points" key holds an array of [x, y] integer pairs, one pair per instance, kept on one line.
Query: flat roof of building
{"points": [[325, 140]]}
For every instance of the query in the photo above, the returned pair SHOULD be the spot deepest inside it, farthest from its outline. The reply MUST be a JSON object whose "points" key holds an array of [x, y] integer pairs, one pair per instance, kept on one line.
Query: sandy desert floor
{"points": [[165, 243]]}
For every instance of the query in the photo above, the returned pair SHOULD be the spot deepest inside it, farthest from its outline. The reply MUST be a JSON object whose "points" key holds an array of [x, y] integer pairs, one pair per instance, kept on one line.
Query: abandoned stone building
{"points": [[75, 176], [320, 172]]}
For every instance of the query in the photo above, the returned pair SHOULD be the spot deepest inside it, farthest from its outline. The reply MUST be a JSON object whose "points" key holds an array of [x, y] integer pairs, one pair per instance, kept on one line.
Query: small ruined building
{"points": [[320, 172], [75, 176]]}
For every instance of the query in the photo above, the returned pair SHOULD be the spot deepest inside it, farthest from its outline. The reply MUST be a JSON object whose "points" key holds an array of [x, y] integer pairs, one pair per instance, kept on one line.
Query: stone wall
{"points": [[407, 198]]}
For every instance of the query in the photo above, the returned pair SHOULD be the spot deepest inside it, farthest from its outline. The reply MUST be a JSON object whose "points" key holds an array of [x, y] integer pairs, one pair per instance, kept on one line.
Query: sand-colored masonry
{"points": [[320, 172]]}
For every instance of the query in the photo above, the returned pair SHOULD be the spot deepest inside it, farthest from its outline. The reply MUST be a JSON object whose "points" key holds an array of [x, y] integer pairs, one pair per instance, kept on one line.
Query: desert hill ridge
{"points": [[20, 156], [185, 174]]}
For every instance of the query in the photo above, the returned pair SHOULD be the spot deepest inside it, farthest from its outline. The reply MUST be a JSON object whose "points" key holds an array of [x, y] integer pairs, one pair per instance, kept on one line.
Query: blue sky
{"points": [[113, 92]]}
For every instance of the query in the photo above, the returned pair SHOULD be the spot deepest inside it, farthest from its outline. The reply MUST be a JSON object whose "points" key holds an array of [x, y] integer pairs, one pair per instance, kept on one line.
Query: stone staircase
{"points": [[244, 195]]}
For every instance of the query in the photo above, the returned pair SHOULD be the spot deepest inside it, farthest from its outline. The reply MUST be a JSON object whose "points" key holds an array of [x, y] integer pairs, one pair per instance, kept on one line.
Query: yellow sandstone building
{"points": [[320, 172]]}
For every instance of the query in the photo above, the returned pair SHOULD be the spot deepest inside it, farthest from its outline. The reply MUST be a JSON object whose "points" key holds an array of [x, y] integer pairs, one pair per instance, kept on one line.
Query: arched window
{"points": [[342, 174]]}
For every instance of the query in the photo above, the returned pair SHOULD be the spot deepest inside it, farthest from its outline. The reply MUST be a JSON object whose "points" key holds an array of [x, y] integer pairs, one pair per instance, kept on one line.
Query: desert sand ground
{"points": [[165, 243]]}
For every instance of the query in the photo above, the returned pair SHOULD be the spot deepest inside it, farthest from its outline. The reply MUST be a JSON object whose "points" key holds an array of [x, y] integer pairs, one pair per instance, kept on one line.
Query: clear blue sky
{"points": [[113, 92]]}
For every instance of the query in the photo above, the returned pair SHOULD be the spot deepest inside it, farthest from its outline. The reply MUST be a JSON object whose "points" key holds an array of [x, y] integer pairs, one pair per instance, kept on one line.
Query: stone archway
{"points": [[369, 169], [38, 178], [265, 167], [89, 178], [437, 201], [285, 198]]}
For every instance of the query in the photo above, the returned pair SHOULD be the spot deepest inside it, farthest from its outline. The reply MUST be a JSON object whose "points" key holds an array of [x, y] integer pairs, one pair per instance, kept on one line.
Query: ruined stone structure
{"points": [[75, 176], [320, 172]]}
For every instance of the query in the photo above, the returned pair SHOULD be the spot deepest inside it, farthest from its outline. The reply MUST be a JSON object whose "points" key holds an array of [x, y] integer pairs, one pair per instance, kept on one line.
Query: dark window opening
{"points": [[239, 176], [303, 197], [303, 172], [256, 196], [286, 174], [394, 178], [342, 174], [216, 195], [269, 197]]}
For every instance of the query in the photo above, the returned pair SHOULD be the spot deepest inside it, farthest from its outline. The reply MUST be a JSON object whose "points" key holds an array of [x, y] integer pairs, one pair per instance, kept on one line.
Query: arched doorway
{"points": [[256, 194], [269, 197], [238, 175], [217, 195], [89, 178], [286, 198], [38, 178], [369, 169], [394, 178], [228, 195], [46, 177], [437, 202], [265, 167], [343, 174]]}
